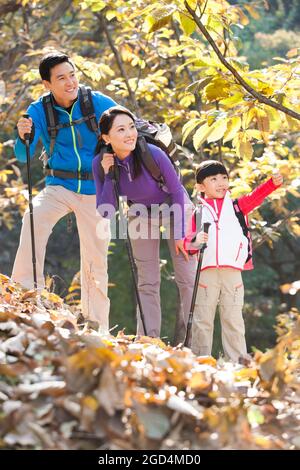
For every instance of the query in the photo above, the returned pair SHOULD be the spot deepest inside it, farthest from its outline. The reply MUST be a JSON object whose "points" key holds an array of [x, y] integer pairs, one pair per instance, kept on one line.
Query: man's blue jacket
{"points": [[74, 147]]}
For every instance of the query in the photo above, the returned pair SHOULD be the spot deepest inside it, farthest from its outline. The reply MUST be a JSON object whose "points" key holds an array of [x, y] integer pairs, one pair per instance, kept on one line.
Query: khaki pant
{"points": [[50, 205], [147, 259], [223, 286]]}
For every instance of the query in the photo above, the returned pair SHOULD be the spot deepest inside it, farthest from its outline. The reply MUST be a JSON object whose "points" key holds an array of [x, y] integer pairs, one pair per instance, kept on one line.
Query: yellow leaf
{"points": [[198, 382], [253, 12], [244, 20], [217, 89], [159, 17], [274, 119], [30, 294], [233, 100], [293, 52], [217, 133], [243, 147], [52, 297], [263, 124], [209, 360], [110, 14], [233, 126], [263, 442], [189, 127], [193, 4], [253, 133], [201, 135], [246, 374], [251, 115], [262, 120], [90, 402], [187, 24]]}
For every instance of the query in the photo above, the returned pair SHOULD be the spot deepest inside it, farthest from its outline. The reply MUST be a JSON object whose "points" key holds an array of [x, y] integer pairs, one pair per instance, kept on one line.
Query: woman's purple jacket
{"points": [[143, 189]]}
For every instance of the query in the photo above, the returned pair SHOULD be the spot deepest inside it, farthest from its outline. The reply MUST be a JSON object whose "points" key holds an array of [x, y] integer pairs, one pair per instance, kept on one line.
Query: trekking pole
{"points": [[195, 290], [128, 245], [29, 183]]}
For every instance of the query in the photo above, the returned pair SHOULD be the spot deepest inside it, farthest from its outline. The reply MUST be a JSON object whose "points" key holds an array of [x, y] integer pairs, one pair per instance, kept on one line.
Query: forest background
{"points": [[227, 81]]}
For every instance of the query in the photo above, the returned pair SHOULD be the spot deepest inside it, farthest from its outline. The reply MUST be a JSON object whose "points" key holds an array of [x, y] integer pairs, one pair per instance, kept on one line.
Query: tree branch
{"points": [[261, 98], [10, 7], [132, 98], [282, 222]]}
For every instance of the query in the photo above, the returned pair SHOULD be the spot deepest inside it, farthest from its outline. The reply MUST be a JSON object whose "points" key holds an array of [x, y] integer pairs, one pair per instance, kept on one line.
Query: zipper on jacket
{"points": [[128, 171], [239, 250], [217, 243], [216, 221], [74, 144]]}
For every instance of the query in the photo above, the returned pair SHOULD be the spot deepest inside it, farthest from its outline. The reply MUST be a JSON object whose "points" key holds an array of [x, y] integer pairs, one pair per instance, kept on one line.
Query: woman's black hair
{"points": [[105, 124]]}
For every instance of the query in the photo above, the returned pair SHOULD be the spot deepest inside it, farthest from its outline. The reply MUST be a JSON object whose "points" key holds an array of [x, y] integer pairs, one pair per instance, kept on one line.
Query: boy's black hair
{"points": [[49, 61], [210, 168]]}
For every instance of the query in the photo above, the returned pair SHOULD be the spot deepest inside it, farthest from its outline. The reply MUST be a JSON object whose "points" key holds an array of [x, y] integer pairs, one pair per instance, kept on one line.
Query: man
{"points": [[69, 184]]}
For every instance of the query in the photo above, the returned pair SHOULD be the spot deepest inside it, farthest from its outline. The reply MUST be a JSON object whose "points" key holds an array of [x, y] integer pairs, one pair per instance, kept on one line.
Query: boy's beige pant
{"points": [[50, 205], [223, 286]]}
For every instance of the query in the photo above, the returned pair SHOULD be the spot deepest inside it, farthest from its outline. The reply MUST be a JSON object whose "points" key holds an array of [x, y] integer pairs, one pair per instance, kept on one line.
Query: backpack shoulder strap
{"points": [[51, 118], [114, 172], [241, 218], [148, 160], [87, 108]]}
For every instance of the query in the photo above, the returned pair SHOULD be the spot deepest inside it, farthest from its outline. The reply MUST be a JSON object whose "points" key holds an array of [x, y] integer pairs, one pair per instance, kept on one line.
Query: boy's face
{"points": [[214, 187], [63, 84]]}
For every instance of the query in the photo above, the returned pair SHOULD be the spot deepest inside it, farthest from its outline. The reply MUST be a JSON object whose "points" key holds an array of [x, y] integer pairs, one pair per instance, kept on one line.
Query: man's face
{"points": [[214, 187], [63, 84]]}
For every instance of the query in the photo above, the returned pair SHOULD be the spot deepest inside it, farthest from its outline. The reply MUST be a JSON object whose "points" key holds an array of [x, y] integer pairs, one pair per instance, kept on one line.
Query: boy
{"points": [[223, 259]]}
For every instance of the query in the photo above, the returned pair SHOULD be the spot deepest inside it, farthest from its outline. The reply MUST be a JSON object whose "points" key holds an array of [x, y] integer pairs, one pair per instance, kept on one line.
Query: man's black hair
{"points": [[49, 61], [210, 168]]}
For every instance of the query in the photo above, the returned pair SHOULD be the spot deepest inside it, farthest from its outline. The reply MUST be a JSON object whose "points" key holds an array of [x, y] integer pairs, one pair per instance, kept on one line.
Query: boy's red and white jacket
{"points": [[227, 245]]}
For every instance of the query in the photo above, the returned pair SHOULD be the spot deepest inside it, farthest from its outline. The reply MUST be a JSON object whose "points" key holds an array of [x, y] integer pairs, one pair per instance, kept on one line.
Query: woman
{"points": [[151, 207]]}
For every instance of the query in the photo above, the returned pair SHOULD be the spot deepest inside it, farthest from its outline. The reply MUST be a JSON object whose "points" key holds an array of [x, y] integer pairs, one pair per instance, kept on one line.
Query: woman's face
{"points": [[122, 135]]}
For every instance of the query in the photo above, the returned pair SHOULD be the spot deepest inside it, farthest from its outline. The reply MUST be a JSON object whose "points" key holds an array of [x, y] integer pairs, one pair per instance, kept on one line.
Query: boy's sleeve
{"points": [[20, 147], [250, 201]]}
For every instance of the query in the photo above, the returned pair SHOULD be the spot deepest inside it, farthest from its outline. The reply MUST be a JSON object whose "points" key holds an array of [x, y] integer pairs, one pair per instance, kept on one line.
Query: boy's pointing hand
{"points": [[277, 179]]}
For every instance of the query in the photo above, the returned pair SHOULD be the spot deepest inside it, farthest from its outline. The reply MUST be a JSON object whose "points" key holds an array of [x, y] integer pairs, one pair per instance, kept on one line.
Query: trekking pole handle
{"points": [[206, 226], [26, 136]]}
